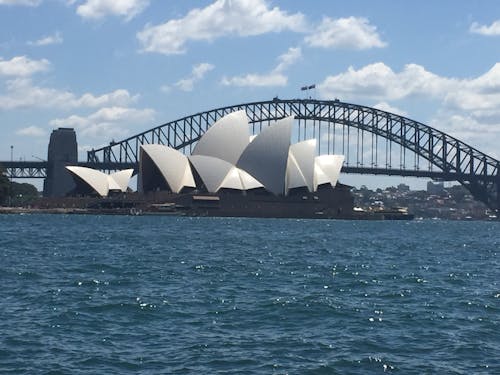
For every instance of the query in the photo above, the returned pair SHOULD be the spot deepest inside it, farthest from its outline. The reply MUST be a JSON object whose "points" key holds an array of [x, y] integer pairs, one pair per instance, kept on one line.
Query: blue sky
{"points": [[112, 68]]}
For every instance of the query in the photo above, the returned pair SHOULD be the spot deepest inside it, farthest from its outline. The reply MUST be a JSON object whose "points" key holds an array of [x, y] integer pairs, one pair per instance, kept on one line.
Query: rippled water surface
{"points": [[114, 295]]}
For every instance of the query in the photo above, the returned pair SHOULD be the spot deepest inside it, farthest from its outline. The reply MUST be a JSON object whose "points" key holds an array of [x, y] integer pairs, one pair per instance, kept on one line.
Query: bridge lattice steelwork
{"points": [[373, 141], [25, 169]]}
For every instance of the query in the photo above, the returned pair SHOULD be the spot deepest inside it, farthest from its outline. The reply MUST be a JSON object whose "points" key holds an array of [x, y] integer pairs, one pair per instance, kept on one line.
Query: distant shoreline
{"points": [[138, 212], [127, 212]]}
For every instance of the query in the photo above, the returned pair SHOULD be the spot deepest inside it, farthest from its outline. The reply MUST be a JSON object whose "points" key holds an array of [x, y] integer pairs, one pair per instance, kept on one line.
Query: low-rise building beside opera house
{"points": [[232, 173]]}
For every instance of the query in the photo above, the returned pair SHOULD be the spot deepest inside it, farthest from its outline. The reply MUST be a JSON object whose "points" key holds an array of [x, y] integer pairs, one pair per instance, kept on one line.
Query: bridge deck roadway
{"points": [[109, 166]]}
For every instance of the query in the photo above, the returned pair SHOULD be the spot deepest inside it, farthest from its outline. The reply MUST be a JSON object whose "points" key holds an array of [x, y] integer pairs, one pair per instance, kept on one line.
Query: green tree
{"points": [[4, 187], [19, 193], [23, 193]]}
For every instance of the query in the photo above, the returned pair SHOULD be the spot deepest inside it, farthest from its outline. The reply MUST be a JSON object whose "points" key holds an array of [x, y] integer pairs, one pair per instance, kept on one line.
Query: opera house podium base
{"points": [[327, 202]]}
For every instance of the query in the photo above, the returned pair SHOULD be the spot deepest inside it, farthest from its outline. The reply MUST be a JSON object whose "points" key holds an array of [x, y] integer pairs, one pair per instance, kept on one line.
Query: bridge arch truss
{"points": [[373, 141]]}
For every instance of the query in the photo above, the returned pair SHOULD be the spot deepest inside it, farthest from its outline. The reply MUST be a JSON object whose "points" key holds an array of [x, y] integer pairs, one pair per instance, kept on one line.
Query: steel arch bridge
{"points": [[373, 142]]}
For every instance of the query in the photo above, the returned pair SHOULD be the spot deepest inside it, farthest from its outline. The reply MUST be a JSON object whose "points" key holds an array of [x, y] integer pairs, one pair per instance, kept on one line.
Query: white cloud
{"points": [[349, 33], [21, 93], [31, 3], [197, 74], [55, 38], [22, 66], [98, 9], [165, 88], [288, 58], [469, 129], [221, 18], [479, 96], [384, 106], [378, 81], [256, 80], [32, 131], [493, 29], [271, 79], [468, 108], [118, 97], [107, 122]]}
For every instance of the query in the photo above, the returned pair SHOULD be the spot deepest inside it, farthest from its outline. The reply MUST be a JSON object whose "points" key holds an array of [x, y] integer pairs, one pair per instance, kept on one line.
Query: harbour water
{"points": [[175, 295]]}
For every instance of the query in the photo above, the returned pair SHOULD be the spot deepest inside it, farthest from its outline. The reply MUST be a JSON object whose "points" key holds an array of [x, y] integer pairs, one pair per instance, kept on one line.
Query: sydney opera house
{"points": [[232, 173], [91, 181]]}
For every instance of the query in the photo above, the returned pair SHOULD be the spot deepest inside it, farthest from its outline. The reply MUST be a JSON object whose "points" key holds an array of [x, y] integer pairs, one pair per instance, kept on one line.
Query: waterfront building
{"points": [[227, 157], [89, 181], [231, 173]]}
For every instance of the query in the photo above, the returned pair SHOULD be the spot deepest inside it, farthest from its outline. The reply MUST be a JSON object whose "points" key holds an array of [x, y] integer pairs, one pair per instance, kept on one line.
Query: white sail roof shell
{"points": [[294, 177], [240, 180], [101, 182], [97, 180], [120, 180], [112, 184], [300, 168], [173, 165], [266, 157], [217, 174], [225, 139], [232, 180], [320, 177], [329, 166], [248, 181], [212, 171]]}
